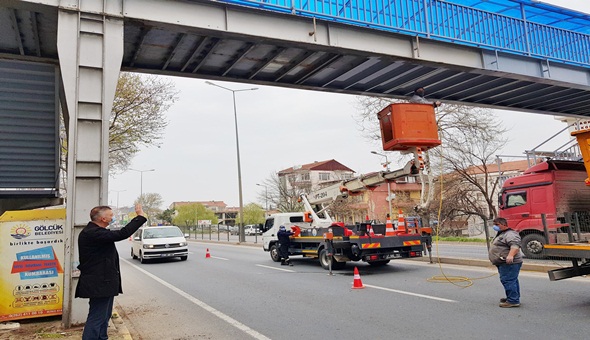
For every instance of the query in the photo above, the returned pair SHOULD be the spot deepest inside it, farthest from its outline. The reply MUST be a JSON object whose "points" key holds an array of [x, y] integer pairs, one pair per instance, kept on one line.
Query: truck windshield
{"points": [[515, 199]]}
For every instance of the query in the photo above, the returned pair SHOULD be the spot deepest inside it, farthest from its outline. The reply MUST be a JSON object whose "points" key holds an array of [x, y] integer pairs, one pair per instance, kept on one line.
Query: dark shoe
{"points": [[503, 300], [509, 305], [290, 264]]}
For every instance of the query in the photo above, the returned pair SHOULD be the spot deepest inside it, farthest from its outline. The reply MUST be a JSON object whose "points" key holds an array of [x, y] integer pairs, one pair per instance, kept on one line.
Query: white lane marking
{"points": [[275, 268], [409, 293], [203, 305], [219, 258]]}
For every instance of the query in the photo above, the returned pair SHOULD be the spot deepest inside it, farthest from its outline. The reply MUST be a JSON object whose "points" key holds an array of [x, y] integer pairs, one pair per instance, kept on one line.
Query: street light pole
{"points": [[118, 191], [388, 184], [265, 196], [141, 182], [242, 236]]}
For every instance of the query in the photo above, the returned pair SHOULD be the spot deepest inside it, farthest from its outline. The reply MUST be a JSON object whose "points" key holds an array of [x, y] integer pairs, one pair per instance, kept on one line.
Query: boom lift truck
{"points": [[404, 127], [578, 252]]}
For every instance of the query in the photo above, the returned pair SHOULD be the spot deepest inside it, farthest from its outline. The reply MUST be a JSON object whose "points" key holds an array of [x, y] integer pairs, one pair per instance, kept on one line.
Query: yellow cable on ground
{"points": [[459, 281]]}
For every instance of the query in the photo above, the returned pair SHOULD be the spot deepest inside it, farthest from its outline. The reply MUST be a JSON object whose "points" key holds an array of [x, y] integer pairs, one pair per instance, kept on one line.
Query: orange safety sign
{"points": [[372, 245]]}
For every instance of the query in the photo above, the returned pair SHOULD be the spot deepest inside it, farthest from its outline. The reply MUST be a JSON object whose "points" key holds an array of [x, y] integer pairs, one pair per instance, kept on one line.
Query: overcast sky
{"points": [[278, 128]]}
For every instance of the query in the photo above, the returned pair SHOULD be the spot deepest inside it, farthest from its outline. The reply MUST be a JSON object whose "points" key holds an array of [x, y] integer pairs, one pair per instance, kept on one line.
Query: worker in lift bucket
{"points": [[284, 237], [418, 98]]}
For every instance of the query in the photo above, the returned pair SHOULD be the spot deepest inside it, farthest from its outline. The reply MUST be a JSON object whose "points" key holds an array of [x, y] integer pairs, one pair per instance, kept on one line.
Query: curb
{"points": [[119, 325], [543, 268]]}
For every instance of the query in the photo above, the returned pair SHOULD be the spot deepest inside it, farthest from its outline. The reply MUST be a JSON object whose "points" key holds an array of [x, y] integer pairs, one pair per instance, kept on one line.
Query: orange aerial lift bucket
{"points": [[583, 137], [405, 126]]}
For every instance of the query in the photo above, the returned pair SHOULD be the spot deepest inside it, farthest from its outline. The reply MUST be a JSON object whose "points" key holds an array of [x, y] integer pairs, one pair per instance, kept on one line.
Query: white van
{"points": [[159, 242]]}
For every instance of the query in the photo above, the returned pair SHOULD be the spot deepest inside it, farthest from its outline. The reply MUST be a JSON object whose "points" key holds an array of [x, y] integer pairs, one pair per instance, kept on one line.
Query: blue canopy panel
{"points": [[535, 11], [521, 27]]}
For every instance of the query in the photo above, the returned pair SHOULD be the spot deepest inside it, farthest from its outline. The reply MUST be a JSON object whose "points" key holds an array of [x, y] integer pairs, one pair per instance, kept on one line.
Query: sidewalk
{"points": [[51, 328]]}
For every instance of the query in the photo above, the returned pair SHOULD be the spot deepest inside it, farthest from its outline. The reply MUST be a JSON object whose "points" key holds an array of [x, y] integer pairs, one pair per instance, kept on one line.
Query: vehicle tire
{"points": [[325, 261], [183, 258], [532, 246], [379, 263], [141, 259], [133, 255], [274, 253]]}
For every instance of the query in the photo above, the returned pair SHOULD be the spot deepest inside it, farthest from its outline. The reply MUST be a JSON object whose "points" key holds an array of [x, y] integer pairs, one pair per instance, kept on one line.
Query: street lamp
{"points": [[141, 181], [242, 236], [388, 184], [118, 212], [117, 191], [265, 196]]}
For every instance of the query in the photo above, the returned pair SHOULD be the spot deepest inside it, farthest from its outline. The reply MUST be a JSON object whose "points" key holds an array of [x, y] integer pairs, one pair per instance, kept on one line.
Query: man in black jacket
{"points": [[284, 237], [100, 277]]}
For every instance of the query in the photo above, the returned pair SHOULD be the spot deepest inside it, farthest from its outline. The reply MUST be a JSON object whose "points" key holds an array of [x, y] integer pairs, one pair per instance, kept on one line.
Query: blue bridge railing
{"points": [[441, 20]]}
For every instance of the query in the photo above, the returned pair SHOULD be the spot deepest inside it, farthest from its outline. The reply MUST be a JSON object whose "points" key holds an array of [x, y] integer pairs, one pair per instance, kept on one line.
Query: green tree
{"points": [[138, 116], [253, 214], [188, 215], [137, 119], [167, 215]]}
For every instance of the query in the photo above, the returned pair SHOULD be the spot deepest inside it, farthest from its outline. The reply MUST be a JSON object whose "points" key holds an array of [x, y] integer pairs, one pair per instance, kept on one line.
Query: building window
{"points": [[305, 176], [324, 176], [346, 175]]}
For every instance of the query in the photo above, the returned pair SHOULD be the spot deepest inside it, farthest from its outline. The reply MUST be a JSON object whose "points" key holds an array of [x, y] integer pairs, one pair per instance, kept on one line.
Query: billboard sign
{"points": [[31, 257]]}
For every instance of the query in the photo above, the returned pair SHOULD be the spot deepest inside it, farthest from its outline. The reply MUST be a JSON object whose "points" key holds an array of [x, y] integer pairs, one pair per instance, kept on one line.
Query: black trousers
{"points": [[284, 250]]}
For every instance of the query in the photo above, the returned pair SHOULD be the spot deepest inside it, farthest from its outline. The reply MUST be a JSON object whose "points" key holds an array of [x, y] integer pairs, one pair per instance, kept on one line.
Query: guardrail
{"points": [[215, 233], [441, 20]]}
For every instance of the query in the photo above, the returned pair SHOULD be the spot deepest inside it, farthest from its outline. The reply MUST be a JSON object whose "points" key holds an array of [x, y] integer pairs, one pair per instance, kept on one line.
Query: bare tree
{"points": [[470, 139], [151, 203], [283, 197]]}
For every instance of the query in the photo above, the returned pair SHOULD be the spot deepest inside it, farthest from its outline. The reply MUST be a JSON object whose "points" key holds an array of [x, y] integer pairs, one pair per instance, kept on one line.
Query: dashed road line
{"points": [[219, 258], [275, 268], [409, 293]]}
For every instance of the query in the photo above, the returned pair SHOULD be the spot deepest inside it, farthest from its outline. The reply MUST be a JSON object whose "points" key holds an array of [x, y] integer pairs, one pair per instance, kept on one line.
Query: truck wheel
{"points": [[274, 253], [378, 263], [325, 261], [532, 246]]}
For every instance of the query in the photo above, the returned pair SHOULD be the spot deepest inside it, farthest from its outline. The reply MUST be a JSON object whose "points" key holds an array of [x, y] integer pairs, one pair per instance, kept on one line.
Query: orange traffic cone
{"points": [[401, 222], [357, 283], [389, 231], [207, 255]]}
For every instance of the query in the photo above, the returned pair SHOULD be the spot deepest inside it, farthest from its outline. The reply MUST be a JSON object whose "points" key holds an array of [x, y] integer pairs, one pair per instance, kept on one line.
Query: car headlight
{"points": [[182, 244], [148, 246]]}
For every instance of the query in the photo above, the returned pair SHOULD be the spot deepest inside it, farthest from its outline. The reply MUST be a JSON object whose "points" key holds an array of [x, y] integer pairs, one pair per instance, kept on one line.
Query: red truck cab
{"points": [[551, 188]]}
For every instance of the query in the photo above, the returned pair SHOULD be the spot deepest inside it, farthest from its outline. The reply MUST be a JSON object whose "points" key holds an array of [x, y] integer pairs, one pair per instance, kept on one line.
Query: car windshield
{"points": [[162, 232]]}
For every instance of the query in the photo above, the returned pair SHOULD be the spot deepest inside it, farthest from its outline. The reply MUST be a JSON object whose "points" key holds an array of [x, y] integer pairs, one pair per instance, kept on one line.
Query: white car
{"points": [[252, 230], [159, 242]]}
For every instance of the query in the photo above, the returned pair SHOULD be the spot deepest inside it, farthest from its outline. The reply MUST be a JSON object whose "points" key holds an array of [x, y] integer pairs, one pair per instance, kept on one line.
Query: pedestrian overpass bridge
{"points": [[506, 54]]}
